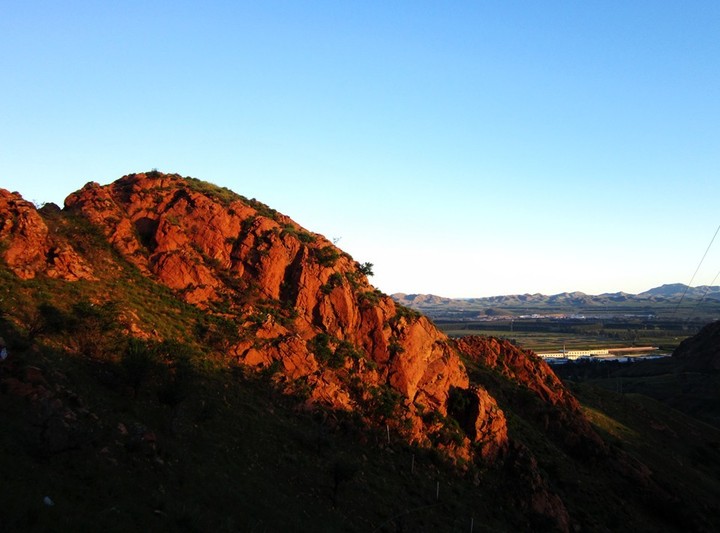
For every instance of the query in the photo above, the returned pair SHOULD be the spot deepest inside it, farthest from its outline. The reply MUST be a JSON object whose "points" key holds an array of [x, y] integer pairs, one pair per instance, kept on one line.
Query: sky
{"points": [[466, 148]]}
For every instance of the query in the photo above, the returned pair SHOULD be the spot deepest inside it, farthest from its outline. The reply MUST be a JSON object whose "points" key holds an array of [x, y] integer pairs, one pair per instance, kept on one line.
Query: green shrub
{"points": [[179, 373], [335, 280], [306, 237], [346, 349], [410, 315], [216, 332], [52, 319], [326, 256], [262, 209], [395, 348], [352, 278], [320, 346], [301, 235], [221, 194], [334, 356], [370, 298], [270, 370], [94, 329], [385, 401]]}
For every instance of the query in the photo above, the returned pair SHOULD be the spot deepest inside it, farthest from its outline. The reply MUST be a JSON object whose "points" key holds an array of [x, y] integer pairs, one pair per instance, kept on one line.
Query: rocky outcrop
{"points": [[518, 365], [701, 351], [27, 247], [554, 408], [490, 427], [303, 307]]}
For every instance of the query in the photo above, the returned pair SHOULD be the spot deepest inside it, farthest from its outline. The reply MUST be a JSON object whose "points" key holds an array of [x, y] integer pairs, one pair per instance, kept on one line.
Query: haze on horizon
{"points": [[477, 149]]}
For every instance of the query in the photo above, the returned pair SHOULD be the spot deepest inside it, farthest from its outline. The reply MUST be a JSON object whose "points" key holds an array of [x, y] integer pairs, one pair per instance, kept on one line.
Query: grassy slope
{"points": [[666, 380], [682, 452], [601, 497]]}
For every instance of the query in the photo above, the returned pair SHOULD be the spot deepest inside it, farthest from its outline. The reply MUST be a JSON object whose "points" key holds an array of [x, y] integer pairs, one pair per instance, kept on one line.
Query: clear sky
{"points": [[467, 148]]}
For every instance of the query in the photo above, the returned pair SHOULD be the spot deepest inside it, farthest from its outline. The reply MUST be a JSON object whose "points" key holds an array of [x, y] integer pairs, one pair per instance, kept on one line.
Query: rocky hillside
{"points": [[298, 302], [28, 247], [156, 277]]}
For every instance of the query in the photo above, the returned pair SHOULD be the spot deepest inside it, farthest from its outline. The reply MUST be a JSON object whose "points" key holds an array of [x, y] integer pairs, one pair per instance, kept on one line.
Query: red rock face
{"points": [[28, 249]]}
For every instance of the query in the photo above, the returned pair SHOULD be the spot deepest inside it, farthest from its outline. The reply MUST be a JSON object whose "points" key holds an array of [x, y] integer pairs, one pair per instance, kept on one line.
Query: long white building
{"points": [[575, 354]]}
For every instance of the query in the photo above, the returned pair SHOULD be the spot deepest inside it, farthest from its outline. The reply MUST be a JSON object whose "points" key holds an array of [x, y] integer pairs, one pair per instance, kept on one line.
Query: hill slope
{"points": [[150, 323]]}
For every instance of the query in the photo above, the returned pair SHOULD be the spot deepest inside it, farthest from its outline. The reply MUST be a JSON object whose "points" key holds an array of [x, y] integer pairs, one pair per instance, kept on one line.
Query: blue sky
{"points": [[464, 148]]}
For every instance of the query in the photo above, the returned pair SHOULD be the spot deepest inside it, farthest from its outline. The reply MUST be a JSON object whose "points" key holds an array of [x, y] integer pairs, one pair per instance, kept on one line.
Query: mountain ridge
{"points": [[568, 302], [669, 290]]}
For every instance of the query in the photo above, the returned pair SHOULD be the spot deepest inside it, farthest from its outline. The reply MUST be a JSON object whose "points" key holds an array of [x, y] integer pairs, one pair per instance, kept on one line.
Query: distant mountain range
{"points": [[666, 294]]}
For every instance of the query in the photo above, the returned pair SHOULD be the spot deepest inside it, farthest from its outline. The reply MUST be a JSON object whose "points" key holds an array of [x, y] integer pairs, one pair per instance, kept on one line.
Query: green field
{"points": [[553, 334]]}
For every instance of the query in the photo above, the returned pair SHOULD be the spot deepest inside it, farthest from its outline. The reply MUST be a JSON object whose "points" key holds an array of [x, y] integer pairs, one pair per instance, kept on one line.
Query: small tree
{"points": [[366, 268], [94, 329], [179, 373]]}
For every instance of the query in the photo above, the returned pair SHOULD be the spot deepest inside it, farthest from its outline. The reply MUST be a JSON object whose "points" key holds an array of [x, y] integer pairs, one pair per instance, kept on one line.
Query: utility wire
{"points": [[687, 287]]}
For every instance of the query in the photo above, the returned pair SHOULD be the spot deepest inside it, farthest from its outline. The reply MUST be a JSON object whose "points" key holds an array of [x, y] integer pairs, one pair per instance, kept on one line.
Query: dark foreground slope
{"points": [[183, 358], [702, 351]]}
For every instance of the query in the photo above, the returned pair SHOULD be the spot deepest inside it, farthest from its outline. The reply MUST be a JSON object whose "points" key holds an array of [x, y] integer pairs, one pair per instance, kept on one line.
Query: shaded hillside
{"points": [[702, 351], [176, 347], [688, 381]]}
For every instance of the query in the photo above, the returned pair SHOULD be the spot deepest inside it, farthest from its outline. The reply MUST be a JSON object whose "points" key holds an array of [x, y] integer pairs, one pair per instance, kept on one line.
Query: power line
{"points": [[687, 287]]}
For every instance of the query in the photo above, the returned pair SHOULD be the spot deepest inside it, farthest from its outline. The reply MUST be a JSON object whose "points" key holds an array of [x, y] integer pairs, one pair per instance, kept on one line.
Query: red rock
{"points": [[520, 365], [30, 250], [490, 425], [560, 410]]}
